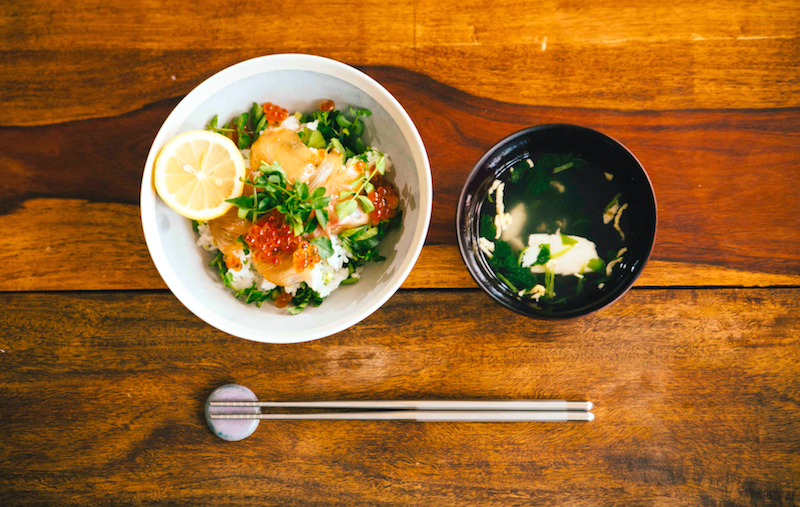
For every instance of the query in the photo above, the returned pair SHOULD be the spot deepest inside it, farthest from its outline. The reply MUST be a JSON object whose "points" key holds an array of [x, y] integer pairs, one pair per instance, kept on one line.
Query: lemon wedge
{"points": [[197, 171]]}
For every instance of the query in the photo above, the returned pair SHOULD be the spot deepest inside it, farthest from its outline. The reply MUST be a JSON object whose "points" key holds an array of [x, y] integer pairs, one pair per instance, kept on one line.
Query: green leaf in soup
{"points": [[614, 201], [596, 265], [536, 180], [563, 167], [349, 281], [487, 227], [561, 161], [366, 204], [324, 246], [503, 257], [345, 208], [521, 277], [544, 255], [567, 240], [244, 141]]}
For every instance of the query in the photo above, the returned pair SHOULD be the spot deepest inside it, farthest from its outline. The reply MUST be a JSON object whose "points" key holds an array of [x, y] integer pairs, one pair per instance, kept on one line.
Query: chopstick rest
{"points": [[232, 430], [233, 411]]}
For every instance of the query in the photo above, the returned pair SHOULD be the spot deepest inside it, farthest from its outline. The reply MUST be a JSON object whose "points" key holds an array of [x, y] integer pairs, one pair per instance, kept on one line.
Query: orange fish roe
{"points": [[233, 262], [271, 238], [306, 255], [327, 105], [283, 300], [385, 200], [275, 114]]}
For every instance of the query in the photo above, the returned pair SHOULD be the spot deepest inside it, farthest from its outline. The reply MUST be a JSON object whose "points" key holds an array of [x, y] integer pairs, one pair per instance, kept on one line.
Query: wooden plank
{"points": [[76, 245], [564, 54], [101, 397]]}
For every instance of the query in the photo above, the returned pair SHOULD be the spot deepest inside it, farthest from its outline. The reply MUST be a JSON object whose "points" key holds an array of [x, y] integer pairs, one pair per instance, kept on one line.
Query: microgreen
{"points": [[302, 208]]}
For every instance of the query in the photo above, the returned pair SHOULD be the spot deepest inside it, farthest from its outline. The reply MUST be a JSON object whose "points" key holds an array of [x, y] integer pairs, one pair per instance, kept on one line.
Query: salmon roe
{"points": [[327, 105], [305, 255], [233, 262], [272, 240], [275, 113], [283, 300], [385, 200]]}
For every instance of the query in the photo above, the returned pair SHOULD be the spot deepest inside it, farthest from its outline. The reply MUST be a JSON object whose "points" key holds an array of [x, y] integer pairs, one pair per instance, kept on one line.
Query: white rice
{"points": [[206, 240], [291, 123], [326, 276], [331, 272]]}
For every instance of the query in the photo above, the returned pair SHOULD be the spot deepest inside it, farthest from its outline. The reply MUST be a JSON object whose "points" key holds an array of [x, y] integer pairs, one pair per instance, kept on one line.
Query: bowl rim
{"points": [[238, 72], [460, 210]]}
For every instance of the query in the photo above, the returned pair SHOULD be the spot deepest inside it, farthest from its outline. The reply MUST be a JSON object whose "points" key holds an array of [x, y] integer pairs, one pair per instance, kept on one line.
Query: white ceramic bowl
{"points": [[297, 83]]}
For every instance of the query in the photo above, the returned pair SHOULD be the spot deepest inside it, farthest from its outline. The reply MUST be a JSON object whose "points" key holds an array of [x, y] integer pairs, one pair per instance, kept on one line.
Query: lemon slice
{"points": [[197, 171]]}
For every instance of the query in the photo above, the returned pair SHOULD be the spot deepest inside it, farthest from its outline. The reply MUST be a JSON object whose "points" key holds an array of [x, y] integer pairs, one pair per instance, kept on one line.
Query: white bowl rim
{"points": [[278, 62]]}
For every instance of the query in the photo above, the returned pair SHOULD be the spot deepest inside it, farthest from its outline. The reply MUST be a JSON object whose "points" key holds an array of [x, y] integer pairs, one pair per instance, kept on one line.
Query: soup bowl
{"points": [[601, 151]]}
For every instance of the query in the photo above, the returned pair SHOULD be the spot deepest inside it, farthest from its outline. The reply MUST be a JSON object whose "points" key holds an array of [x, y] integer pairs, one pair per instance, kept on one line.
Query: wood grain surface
{"points": [[725, 183], [694, 373], [102, 58], [695, 393]]}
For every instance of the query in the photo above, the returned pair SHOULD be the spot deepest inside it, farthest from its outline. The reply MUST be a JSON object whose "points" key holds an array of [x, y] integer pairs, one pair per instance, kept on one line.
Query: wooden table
{"points": [[694, 373]]}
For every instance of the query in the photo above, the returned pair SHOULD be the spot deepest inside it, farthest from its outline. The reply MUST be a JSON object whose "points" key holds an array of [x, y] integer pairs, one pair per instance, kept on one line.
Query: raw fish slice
{"points": [[354, 219], [226, 230], [341, 179], [332, 162], [284, 273], [285, 147]]}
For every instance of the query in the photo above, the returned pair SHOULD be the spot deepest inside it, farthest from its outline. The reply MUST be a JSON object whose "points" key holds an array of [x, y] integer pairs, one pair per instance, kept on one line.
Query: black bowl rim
{"points": [[472, 175]]}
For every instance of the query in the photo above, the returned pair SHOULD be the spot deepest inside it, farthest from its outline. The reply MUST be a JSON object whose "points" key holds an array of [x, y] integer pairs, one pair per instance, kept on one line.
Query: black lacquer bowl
{"points": [[590, 145]]}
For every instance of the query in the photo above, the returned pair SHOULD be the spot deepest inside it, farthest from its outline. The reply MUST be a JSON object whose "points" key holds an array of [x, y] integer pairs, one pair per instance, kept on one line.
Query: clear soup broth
{"points": [[554, 228]]}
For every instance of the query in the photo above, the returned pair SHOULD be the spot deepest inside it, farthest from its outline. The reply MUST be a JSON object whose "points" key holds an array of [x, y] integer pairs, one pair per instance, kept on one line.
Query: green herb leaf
{"points": [[563, 167], [349, 281], [244, 141], [487, 227], [345, 208], [614, 201], [322, 217], [368, 233], [366, 204], [212, 125], [344, 122], [567, 240], [337, 145], [544, 255], [380, 165], [195, 225], [596, 265], [324, 247], [313, 138]]}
